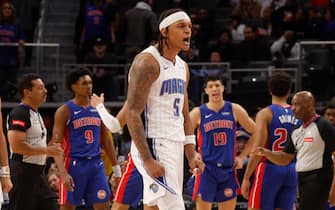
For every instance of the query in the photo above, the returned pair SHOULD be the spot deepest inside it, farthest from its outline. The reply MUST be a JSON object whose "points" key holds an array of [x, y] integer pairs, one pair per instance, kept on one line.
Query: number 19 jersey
{"points": [[216, 135]]}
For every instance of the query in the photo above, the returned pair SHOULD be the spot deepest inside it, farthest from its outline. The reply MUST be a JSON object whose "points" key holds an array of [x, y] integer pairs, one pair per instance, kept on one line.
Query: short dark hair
{"points": [[330, 105], [25, 82], [280, 84], [163, 15], [214, 77], [74, 75]]}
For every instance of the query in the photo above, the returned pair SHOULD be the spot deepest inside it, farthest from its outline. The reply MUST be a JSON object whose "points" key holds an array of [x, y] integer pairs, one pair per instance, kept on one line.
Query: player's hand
{"points": [[331, 197], [238, 163], [6, 184], [67, 181], [154, 168], [114, 181], [54, 149], [196, 164], [96, 100], [259, 151], [245, 188]]}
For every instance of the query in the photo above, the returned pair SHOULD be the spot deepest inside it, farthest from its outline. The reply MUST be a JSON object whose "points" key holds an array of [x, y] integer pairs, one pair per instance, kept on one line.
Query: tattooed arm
{"points": [[144, 71]]}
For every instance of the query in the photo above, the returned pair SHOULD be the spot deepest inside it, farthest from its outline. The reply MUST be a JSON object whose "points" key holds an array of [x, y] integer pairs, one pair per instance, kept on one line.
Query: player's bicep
{"points": [[243, 118], [261, 128], [121, 116], [62, 116], [143, 73], [105, 137], [195, 116]]}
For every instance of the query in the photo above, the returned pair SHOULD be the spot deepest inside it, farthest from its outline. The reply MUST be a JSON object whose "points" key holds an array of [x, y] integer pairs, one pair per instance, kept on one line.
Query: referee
{"points": [[27, 139], [313, 144]]}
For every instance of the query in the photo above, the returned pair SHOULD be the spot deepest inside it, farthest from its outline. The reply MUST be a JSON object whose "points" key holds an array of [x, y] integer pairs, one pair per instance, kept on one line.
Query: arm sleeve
{"points": [[111, 122]]}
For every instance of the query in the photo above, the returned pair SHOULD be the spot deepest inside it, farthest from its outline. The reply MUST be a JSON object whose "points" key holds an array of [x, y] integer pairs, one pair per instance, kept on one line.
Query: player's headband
{"points": [[174, 17]]}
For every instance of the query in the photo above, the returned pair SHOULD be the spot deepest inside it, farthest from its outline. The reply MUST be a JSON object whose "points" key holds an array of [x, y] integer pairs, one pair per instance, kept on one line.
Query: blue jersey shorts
{"points": [[91, 184], [274, 187], [130, 189], [216, 184]]}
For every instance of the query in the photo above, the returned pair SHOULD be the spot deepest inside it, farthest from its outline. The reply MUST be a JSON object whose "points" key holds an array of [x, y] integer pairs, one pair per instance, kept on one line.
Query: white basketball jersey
{"points": [[163, 117]]}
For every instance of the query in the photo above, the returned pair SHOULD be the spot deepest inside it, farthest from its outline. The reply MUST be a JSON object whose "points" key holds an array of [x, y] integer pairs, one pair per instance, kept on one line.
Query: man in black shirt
{"points": [[312, 144], [27, 139]]}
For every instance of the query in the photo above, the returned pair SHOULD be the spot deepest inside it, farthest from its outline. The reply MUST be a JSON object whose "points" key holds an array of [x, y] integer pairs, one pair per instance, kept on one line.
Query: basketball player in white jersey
{"points": [[158, 90], [6, 184]]}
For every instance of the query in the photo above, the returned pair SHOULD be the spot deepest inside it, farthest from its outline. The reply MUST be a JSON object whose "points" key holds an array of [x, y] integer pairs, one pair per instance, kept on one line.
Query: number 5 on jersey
{"points": [[176, 107]]}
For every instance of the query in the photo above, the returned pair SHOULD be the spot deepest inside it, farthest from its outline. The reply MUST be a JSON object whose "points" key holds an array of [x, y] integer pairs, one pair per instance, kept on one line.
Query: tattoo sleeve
{"points": [[144, 71]]}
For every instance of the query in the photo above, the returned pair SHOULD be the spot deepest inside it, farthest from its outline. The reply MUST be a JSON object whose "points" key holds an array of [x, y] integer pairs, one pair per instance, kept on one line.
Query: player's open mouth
{"points": [[186, 40]]}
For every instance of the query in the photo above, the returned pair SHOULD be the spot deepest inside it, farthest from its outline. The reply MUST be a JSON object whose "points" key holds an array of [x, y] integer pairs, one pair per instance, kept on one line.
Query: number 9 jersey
{"points": [[82, 137]]}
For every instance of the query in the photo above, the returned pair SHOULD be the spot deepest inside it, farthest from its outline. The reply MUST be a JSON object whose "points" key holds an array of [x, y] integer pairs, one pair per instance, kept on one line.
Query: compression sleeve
{"points": [[111, 122]]}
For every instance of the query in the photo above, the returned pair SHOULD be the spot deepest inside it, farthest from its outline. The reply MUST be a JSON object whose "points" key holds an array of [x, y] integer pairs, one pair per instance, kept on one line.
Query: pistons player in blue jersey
{"points": [[216, 121], [274, 186], [79, 127]]}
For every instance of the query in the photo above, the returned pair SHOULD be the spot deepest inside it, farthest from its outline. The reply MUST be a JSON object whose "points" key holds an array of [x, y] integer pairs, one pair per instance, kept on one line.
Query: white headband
{"points": [[173, 18]]}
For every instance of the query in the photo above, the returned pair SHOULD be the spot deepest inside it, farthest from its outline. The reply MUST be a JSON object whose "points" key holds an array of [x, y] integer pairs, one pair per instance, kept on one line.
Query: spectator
{"points": [[225, 47], [237, 28], [285, 49], [95, 26], [328, 31], [283, 18], [205, 31], [247, 9], [27, 12], [329, 112], [253, 47], [315, 23], [301, 23], [10, 32], [105, 77], [53, 180], [265, 28], [191, 55], [137, 28], [242, 139]]}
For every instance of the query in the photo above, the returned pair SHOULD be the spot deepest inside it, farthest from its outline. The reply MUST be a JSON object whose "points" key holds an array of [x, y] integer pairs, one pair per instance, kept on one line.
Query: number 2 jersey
{"points": [[275, 186], [82, 137], [282, 124], [216, 135]]}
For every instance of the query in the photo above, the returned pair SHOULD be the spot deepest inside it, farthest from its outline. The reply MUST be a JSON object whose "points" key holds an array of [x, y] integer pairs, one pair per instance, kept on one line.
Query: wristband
{"points": [[116, 171], [4, 170], [189, 139]]}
